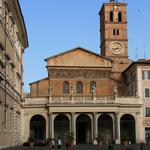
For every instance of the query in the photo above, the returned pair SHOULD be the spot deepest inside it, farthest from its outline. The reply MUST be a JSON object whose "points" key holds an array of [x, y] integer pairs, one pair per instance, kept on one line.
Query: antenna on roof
{"points": [[144, 51], [144, 54]]}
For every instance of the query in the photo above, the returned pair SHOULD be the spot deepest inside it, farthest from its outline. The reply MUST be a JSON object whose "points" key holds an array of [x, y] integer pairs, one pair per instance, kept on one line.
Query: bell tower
{"points": [[113, 33]]}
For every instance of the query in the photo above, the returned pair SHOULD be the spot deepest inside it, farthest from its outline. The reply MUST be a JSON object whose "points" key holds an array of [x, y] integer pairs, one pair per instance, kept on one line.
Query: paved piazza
{"points": [[85, 147]]}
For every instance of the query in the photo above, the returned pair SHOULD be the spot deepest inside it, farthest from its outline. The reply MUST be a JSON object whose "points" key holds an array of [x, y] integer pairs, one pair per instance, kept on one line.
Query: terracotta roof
{"points": [[139, 62], [143, 61], [38, 80]]}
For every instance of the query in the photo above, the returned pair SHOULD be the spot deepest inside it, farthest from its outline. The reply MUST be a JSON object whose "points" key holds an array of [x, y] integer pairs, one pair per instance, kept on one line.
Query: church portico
{"points": [[101, 119], [90, 125]]}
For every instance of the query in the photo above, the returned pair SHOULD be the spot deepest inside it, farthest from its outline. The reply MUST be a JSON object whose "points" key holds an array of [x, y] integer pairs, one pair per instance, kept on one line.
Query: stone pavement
{"points": [[84, 147]]}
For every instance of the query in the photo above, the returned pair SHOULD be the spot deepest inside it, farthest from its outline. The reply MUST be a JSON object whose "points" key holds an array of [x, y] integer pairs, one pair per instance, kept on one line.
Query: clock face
{"points": [[117, 48]]}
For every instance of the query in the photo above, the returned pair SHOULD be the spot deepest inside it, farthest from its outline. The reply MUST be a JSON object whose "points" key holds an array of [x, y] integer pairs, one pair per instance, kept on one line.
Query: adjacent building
{"points": [[137, 83], [13, 41], [89, 94]]}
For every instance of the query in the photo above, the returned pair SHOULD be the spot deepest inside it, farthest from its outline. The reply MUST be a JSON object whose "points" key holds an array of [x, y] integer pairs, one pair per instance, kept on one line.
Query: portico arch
{"points": [[61, 126], [38, 127], [127, 127], [105, 127], [83, 129]]}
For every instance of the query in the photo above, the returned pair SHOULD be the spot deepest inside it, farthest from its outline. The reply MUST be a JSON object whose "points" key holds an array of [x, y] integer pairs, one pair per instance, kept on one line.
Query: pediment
{"points": [[79, 57]]}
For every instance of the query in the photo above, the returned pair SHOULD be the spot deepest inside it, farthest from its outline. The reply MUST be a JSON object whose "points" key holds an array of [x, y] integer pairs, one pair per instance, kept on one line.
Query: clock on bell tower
{"points": [[114, 38], [113, 30]]}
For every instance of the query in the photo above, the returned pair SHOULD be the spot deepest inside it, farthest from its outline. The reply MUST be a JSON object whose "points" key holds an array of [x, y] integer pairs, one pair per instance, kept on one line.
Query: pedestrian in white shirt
{"points": [[59, 143]]}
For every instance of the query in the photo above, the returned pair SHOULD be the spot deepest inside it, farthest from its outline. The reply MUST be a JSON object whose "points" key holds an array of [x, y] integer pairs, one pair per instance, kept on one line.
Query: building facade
{"points": [[137, 82], [85, 93], [13, 41]]}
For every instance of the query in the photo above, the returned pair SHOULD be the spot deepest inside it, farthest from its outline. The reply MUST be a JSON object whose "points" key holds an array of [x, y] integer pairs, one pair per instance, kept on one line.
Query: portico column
{"points": [[95, 125], [73, 125], [137, 137], [51, 126], [117, 128]]}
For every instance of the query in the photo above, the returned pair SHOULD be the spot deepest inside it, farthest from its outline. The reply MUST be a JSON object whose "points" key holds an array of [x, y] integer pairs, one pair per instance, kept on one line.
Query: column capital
{"points": [[94, 113], [116, 112], [50, 113], [73, 113]]}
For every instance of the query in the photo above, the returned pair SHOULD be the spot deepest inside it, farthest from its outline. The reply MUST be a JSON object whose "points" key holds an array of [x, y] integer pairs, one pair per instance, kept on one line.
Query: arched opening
{"points": [[117, 31], [111, 16], [119, 17], [79, 87], [38, 127], [105, 128], [61, 126], [114, 31], [83, 129], [127, 127], [66, 87]]}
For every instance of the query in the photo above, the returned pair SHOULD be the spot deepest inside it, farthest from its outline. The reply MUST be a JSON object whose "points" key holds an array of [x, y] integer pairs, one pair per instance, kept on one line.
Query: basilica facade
{"points": [[89, 94]]}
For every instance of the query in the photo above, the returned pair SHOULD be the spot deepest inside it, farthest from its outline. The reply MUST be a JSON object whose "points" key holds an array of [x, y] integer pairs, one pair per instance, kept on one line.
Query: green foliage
{"points": [[124, 135], [30, 139], [148, 137], [70, 136], [99, 137]]}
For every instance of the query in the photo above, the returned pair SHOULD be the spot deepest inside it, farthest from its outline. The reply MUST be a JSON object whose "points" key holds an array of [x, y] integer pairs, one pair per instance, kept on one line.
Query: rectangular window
{"points": [[147, 93], [147, 132], [10, 119], [146, 75], [147, 112]]}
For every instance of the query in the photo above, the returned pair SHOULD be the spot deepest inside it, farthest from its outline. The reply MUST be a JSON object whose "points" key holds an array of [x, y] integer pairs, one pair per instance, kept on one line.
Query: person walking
{"points": [[67, 144], [59, 143], [53, 143]]}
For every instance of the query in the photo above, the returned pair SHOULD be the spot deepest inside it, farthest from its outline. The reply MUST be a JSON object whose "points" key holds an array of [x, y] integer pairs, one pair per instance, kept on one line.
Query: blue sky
{"points": [[54, 26]]}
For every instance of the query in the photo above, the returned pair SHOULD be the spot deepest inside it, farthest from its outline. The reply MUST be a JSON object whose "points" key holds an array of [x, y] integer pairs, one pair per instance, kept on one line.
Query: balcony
{"points": [[82, 99]]}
